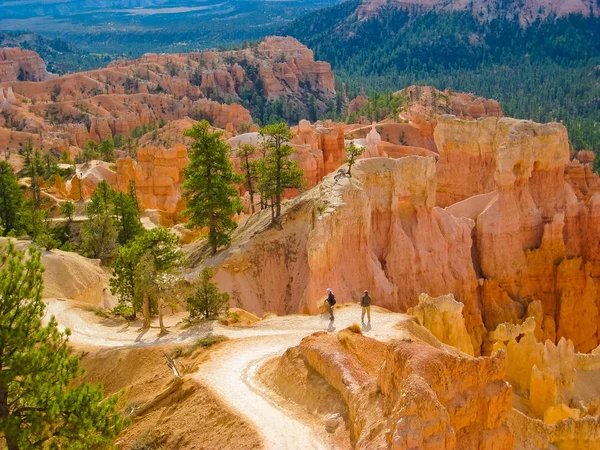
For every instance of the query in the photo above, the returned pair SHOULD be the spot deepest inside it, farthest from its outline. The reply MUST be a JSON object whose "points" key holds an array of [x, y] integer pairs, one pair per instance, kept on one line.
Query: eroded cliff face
{"points": [[154, 89], [524, 234], [157, 175], [22, 65], [379, 230], [408, 394]]}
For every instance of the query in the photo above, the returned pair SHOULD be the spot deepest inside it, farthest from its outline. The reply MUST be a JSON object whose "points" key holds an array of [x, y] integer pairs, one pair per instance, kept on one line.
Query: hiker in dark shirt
{"points": [[365, 302], [330, 300]]}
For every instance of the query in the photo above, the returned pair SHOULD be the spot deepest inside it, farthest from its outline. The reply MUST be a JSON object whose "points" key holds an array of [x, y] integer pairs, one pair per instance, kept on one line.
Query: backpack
{"points": [[331, 299]]}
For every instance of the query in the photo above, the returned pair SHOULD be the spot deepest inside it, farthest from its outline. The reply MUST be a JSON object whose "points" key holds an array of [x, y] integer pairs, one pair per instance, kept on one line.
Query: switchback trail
{"points": [[230, 371]]}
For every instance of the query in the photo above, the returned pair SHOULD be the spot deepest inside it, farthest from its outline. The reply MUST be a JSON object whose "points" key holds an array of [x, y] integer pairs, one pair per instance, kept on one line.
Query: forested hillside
{"points": [[548, 70]]}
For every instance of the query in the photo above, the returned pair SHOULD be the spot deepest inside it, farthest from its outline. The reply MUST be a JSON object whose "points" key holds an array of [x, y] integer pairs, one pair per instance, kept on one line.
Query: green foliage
{"points": [[99, 235], [67, 209], [143, 267], [207, 302], [277, 172], [11, 199], [382, 105], [212, 199], [40, 405], [352, 153], [99, 232], [107, 150], [206, 342], [65, 158], [127, 211]]}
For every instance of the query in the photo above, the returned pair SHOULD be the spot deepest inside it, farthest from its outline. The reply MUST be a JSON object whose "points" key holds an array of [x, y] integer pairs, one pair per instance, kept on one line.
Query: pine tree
{"points": [[107, 149], [99, 232], [40, 405], [67, 209], [128, 217], [140, 269], [245, 152], [283, 172], [11, 198], [207, 302], [352, 153], [212, 199]]}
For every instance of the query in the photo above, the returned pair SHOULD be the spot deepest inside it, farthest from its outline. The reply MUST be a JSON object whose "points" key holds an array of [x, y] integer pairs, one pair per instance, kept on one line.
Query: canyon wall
{"points": [[496, 252]]}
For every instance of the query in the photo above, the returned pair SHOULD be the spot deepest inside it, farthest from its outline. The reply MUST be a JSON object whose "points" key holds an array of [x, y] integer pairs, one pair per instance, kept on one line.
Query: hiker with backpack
{"points": [[365, 302], [330, 300]]}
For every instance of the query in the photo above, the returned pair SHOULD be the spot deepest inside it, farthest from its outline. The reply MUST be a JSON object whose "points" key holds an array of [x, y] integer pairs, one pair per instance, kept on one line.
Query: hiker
{"points": [[365, 302], [330, 302]]}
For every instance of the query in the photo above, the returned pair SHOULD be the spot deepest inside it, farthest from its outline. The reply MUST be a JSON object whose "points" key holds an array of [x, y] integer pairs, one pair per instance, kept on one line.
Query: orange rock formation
{"points": [[23, 65], [158, 175]]}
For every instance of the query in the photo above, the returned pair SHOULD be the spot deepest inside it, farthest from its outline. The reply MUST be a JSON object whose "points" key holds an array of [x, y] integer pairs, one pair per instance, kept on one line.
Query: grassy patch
{"points": [[206, 342]]}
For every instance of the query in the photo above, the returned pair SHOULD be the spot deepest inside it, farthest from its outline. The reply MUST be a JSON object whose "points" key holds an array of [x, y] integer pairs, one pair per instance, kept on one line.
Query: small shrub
{"points": [[124, 310], [205, 342], [149, 440]]}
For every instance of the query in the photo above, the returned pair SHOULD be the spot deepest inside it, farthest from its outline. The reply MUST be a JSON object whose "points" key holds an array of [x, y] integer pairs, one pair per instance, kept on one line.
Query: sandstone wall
{"points": [[158, 176]]}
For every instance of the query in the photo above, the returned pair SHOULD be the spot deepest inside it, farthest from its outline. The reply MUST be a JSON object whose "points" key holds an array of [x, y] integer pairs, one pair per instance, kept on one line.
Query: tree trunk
{"points": [[146, 310], [252, 202], [11, 442], [163, 329]]}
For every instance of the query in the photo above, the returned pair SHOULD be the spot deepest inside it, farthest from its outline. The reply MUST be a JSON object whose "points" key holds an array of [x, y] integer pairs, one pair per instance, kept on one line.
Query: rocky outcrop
{"points": [[476, 156], [406, 394], [157, 175], [527, 11], [443, 317], [379, 230], [68, 275], [499, 252], [22, 65]]}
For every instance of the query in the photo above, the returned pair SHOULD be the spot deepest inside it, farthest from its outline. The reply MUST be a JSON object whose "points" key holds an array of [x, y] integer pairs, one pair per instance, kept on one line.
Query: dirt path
{"points": [[230, 372]]}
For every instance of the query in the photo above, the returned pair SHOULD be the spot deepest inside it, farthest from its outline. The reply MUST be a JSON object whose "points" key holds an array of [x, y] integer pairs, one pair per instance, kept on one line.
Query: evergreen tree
{"points": [[11, 198], [40, 405], [212, 198], [107, 149], [67, 209], [207, 302], [352, 153], [283, 172], [99, 232], [245, 152], [128, 216], [141, 267]]}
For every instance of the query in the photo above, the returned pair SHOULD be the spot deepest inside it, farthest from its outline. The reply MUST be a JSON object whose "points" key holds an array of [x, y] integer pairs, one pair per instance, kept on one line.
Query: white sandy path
{"points": [[231, 370]]}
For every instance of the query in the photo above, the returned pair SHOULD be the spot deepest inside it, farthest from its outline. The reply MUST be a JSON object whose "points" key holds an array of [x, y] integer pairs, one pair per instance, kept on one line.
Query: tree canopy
{"points": [[40, 406], [209, 185]]}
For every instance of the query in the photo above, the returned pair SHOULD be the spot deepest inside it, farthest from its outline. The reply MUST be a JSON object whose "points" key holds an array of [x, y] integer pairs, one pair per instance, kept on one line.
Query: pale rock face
{"points": [[548, 375], [10, 96], [443, 317], [529, 222], [493, 152], [68, 275], [373, 144]]}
